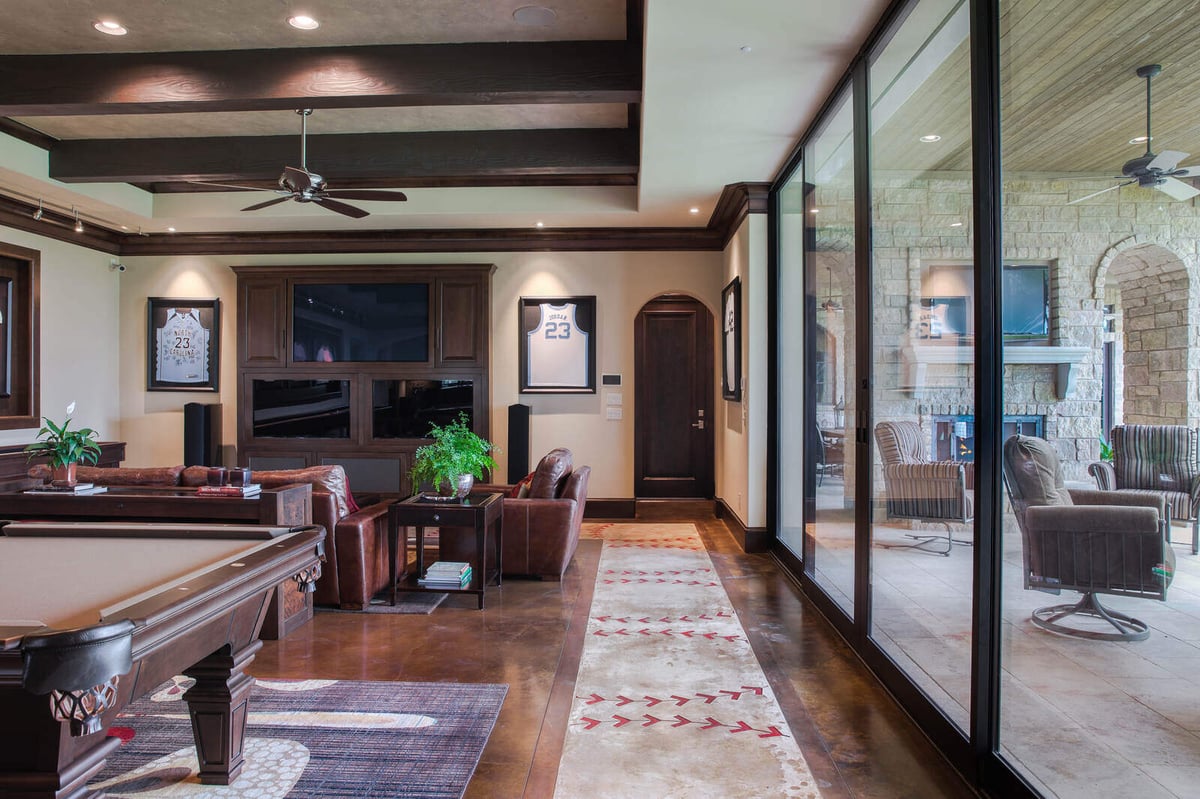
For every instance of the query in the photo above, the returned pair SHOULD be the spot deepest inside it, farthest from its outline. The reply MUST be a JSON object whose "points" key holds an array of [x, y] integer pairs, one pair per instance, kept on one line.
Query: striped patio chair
{"points": [[1156, 459], [923, 490]]}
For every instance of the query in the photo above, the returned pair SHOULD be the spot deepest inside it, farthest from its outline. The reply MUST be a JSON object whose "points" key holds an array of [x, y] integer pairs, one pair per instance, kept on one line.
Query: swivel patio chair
{"points": [[923, 490], [1160, 460], [1094, 542]]}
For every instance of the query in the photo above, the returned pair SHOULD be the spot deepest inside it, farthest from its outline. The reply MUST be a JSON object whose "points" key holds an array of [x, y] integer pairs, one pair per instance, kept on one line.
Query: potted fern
{"points": [[453, 462], [66, 448]]}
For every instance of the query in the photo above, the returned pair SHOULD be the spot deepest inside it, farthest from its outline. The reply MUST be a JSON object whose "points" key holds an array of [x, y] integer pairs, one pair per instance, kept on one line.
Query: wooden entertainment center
{"points": [[348, 365]]}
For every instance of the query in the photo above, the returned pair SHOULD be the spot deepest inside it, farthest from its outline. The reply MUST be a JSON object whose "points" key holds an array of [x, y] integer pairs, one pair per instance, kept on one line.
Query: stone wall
{"points": [[1136, 237]]}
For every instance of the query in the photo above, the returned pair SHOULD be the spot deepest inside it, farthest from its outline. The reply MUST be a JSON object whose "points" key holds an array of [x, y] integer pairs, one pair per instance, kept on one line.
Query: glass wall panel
{"points": [[1088, 707], [922, 367], [829, 208], [790, 302]]}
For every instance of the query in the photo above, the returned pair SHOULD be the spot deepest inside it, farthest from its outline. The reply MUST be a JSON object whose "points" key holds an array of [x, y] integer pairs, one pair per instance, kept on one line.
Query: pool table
{"points": [[89, 623]]}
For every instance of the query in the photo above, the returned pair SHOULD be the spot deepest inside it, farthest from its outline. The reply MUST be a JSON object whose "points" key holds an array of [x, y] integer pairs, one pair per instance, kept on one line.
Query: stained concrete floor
{"points": [[857, 741]]}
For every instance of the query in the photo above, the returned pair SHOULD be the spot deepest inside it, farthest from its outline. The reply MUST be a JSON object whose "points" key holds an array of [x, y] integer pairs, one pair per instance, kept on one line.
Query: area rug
{"points": [[406, 602], [313, 738], [670, 699]]}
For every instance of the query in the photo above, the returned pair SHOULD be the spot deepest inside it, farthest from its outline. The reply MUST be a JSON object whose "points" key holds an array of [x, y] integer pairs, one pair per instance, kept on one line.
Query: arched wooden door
{"points": [[673, 372]]}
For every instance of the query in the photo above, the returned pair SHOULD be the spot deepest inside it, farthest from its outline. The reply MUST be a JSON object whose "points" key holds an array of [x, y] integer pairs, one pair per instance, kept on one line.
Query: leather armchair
{"points": [[541, 531], [1158, 460]]}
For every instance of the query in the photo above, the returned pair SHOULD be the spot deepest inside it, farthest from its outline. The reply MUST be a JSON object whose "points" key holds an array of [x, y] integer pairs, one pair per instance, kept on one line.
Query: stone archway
{"points": [[1160, 320]]}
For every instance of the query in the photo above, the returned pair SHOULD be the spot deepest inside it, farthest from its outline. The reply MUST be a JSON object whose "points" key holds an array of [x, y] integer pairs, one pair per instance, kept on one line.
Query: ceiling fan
{"points": [[304, 186], [1152, 171]]}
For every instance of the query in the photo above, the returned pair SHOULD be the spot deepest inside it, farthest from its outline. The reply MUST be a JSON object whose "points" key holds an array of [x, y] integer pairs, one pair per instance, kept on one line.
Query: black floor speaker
{"points": [[201, 434], [518, 441]]}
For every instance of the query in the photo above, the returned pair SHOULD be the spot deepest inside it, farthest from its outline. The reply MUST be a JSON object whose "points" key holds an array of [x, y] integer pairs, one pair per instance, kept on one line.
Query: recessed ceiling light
{"points": [[111, 27], [304, 22], [745, 48], [170, 230], [534, 16], [540, 224], [1141, 139], [931, 138], [693, 210], [815, 211], [956, 224]]}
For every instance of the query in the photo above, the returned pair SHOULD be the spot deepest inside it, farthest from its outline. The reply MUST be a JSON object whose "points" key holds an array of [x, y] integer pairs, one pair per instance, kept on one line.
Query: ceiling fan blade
{"points": [[368, 194], [1102, 191], [268, 203], [341, 208], [1177, 189], [1186, 172], [1166, 160], [297, 179]]}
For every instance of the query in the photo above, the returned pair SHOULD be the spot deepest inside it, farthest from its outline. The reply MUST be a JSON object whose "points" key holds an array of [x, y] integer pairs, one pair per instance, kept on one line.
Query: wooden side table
{"points": [[478, 512]]}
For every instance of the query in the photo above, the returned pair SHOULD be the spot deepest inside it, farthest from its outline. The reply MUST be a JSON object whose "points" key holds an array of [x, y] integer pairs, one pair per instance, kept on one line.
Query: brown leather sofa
{"points": [[356, 546], [541, 526]]}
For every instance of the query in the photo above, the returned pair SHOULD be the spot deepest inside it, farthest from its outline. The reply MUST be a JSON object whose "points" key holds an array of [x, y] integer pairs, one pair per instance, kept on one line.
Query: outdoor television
{"points": [[301, 408], [1026, 298], [334, 322]]}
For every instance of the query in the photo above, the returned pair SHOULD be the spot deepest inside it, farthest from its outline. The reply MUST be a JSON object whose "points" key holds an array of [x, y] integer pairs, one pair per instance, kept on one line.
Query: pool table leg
{"points": [[218, 703]]}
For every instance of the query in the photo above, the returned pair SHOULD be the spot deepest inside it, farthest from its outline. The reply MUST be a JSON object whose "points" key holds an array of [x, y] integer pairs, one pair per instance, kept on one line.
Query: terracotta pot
{"points": [[63, 476]]}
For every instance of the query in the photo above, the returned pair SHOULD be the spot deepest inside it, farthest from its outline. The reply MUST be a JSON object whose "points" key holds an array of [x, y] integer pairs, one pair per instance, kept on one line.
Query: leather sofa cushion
{"points": [[550, 474], [330, 478], [129, 476], [194, 476]]}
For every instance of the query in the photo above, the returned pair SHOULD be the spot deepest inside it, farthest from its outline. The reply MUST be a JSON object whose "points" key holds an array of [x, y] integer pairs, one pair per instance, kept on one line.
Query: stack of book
{"points": [[446, 574], [77, 489], [251, 490]]}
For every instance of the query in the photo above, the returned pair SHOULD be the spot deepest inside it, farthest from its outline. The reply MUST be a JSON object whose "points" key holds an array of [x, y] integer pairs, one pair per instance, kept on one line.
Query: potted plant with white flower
{"points": [[65, 447]]}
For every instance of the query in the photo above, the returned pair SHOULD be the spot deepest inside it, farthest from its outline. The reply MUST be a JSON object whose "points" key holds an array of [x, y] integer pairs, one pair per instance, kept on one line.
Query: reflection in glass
{"points": [[829, 212], [406, 408], [791, 364], [360, 322], [1100, 283], [922, 320], [301, 408]]}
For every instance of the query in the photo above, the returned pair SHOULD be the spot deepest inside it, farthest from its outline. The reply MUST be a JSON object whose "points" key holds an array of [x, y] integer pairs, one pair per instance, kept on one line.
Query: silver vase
{"points": [[463, 485]]}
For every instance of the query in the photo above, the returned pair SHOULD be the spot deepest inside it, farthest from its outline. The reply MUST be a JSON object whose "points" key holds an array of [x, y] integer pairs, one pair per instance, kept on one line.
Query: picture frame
{"points": [[557, 345], [183, 344], [731, 341]]}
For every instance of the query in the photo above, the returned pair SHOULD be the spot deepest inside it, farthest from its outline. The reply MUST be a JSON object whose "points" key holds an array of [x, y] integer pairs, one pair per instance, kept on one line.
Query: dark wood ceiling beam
{"points": [[354, 156], [424, 241], [324, 77]]}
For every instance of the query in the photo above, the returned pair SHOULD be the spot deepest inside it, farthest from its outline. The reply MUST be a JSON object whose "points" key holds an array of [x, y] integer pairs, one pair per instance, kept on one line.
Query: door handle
{"points": [[698, 425]]}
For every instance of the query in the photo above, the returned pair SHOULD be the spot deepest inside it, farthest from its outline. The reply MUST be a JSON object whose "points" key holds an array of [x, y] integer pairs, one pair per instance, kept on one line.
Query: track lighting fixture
{"points": [[37, 215], [78, 221]]}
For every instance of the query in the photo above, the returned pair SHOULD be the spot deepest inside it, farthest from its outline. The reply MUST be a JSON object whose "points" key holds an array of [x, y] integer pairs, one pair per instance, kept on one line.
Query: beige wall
{"points": [[80, 354], [742, 426], [622, 282]]}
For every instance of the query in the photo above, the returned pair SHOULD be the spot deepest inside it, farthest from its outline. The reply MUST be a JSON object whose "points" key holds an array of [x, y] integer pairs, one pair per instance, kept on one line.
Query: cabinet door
{"points": [[261, 319], [462, 321]]}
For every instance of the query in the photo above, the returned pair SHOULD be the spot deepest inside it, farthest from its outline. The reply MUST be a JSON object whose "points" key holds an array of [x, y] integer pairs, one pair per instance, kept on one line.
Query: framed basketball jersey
{"points": [[183, 344], [557, 348]]}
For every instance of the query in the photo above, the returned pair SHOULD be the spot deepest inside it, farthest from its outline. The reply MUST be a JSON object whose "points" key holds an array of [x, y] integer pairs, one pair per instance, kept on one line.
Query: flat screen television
{"points": [[1026, 298], [301, 408], [406, 408], [334, 322]]}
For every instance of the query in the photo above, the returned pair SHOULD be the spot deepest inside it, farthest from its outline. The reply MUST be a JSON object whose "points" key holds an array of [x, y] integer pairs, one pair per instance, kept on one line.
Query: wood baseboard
{"points": [[610, 509], [751, 539]]}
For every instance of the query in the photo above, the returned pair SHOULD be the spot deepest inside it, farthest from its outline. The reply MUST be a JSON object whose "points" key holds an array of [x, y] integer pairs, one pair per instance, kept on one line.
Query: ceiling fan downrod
{"points": [[304, 115], [1147, 72]]}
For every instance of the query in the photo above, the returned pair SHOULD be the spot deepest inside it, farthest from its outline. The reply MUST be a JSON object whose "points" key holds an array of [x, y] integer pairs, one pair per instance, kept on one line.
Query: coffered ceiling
{"points": [[607, 113]]}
